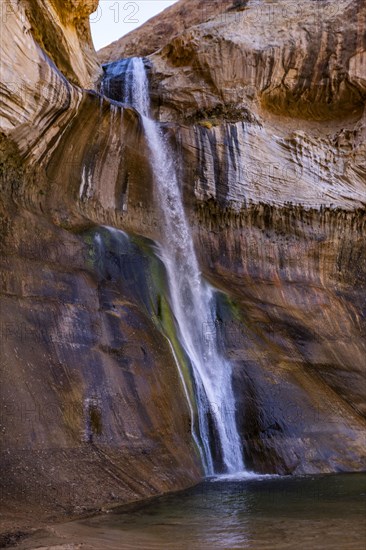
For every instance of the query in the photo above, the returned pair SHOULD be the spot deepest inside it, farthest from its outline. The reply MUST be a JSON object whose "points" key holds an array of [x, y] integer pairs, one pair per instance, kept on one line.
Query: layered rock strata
{"points": [[93, 409]]}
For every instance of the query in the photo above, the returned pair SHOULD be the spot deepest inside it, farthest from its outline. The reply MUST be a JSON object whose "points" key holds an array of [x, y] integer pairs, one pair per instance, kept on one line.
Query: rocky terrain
{"points": [[264, 103], [165, 26]]}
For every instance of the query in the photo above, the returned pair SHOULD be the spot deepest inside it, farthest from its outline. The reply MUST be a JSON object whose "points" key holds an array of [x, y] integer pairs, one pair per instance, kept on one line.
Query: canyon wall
{"points": [[93, 408], [267, 105], [264, 103]]}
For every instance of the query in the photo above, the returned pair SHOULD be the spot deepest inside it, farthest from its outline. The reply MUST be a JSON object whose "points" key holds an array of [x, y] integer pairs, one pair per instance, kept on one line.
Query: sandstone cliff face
{"points": [[302, 60], [93, 410], [265, 106], [267, 109], [298, 346], [280, 108], [271, 127], [159, 30]]}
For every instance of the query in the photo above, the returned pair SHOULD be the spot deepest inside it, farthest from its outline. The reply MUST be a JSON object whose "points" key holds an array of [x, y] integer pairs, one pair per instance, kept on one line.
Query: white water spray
{"points": [[192, 299]]}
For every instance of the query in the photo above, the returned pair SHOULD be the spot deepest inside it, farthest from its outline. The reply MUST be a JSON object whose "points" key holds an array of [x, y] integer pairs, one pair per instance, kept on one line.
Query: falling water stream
{"points": [[225, 511], [192, 299]]}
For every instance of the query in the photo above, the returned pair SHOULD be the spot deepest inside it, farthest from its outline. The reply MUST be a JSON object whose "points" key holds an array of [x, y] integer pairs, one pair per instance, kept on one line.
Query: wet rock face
{"points": [[92, 407], [273, 148], [93, 410], [298, 340], [271, 129], [264, 103]]}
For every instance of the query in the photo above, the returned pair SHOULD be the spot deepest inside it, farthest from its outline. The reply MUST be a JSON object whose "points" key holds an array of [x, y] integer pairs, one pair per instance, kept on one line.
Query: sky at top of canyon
{"points": [[113, 19]]}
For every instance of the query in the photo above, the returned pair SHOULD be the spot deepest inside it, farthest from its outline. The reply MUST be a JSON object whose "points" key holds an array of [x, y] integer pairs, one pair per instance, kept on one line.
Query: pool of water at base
{"points": [[309, 512]]}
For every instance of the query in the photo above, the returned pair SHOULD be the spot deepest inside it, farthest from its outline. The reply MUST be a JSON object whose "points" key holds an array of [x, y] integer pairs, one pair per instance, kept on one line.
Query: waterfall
{"points": [[192, 299]]}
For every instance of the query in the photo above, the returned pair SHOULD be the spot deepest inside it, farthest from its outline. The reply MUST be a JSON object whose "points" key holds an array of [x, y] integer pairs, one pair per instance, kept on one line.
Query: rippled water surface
{"points": [[304, 512]]}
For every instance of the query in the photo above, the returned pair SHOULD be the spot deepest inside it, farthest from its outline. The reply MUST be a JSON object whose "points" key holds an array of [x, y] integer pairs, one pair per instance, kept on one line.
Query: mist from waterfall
{"points": [[192, 299]]}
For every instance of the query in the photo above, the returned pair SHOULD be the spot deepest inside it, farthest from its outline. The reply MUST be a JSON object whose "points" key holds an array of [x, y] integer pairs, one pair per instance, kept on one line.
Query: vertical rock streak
{"points": [[192, 299]]}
